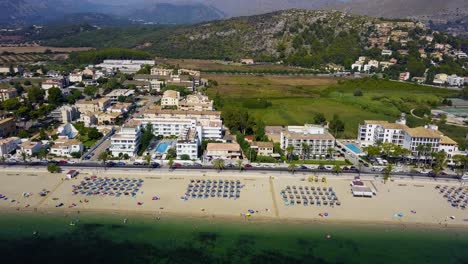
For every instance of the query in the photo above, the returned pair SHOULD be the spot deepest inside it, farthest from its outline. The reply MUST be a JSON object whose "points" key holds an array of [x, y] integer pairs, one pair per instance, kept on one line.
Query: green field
{"points": [[295, 100]]}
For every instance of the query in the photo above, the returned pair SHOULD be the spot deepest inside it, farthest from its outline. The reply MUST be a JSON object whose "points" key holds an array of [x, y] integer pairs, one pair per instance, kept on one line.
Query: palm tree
{"points": [[292, 167], [104, 156], [218, 164], [420, 149], [170, 163], [330, 152], [289, 151], [337, 169], [148, 160], [239, 164], [24, 156], [305, 151], [387, 172], [461, 160]]}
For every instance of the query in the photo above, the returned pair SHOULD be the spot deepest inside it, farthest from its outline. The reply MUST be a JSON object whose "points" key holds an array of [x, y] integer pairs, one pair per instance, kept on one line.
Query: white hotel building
{"points": [[126, 141], [374, 131], [208, 124], [317, 137]]}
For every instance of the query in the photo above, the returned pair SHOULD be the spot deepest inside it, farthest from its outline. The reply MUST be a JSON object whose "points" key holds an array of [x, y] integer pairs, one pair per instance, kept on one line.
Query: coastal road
{"points": [[279, 172]]}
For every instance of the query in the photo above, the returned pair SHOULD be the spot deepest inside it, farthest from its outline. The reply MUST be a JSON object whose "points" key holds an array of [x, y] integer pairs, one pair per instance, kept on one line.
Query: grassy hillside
{"points": [[290, 34]]}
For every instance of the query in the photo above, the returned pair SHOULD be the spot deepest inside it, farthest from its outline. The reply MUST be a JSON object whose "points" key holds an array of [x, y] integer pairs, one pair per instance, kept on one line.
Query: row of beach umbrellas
{"points": [[108, 186], [457, 197]]}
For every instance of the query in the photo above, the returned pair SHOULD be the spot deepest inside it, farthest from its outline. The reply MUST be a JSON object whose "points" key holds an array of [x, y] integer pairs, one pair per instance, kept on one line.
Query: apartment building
{"points": [[65, 114], [188, 143], [171, 122], [156, 81], [223, 151], [316, 137], [161, 71], [170, 99], [126, 141]]}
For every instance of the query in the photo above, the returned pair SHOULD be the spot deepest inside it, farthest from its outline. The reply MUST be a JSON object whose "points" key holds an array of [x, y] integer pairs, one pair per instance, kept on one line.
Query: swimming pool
{"points": [[162, 147], [354, 148]]}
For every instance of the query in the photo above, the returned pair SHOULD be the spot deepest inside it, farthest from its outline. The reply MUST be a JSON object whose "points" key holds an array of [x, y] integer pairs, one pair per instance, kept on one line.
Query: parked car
{"points": [[63, 162], [120, 164], [321, 167], [155, 165], [247, 166], [177, 165], [137, 163], [110, 164], [302, 167]]}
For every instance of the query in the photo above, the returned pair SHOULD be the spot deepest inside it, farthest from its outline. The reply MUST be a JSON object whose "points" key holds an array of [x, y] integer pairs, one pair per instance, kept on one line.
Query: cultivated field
{"points": [[40, 49], [212, 65], [295, 100]]}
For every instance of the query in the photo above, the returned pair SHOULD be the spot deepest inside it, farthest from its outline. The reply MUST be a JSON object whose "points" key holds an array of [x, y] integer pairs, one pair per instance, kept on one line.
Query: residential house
{"points": [[440, 79], [119, 108], [58, 83], [88, 119], [126, 141], [7, 93], [75, 77], [317, 138], [115, 94], [196, 102], [107, 118], [454, 80], [7, 126], [8, 145], [223, 151], [386, 53], [64, 147], [67, 131], [170, 99], [262, 148], [372, 64], [188, 143], [247, 61], [31, 147], [460, 54], [404, 76]]}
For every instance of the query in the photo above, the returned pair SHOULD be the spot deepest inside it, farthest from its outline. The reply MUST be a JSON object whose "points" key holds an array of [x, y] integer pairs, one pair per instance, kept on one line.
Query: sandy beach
{"points": [[417, 201]]}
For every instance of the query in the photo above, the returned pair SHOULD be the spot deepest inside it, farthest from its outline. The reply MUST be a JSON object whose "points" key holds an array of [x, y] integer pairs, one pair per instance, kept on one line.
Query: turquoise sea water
{"points": [[106, 239]]}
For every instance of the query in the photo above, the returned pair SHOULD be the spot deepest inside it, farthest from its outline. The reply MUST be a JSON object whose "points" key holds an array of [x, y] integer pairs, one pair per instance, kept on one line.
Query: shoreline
{"points": [[150, 215]]}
